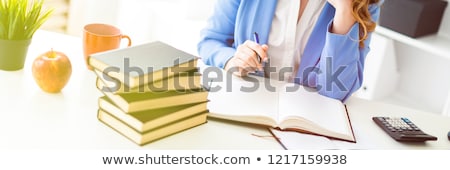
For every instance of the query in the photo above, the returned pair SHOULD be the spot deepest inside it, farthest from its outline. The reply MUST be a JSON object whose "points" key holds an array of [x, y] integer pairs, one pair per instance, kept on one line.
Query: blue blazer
{"points": [[333, 64]]}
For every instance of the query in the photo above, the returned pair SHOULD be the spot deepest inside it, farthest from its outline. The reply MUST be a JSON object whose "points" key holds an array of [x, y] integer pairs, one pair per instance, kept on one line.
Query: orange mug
{"points": [[101, 37]]}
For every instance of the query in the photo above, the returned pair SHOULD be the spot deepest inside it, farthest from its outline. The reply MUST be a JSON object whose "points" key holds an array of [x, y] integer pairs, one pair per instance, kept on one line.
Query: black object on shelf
{"points": [[414, 18]]}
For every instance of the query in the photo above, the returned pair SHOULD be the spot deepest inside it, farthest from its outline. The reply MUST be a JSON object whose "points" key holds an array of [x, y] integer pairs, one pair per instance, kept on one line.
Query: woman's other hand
{"points": [[343, 18]]}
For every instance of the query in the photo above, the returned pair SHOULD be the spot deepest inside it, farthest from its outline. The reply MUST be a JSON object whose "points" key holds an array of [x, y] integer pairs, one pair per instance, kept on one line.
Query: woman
{"points": [[316, 43]]}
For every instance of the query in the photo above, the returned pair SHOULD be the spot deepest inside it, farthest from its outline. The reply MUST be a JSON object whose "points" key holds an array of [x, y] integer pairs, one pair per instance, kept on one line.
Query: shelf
{"points": [[434, 44], [394, 77]]}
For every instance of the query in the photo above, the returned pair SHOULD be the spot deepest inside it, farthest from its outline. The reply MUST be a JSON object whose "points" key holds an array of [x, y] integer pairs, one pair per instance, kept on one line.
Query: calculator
{"points": [[402, 129]]}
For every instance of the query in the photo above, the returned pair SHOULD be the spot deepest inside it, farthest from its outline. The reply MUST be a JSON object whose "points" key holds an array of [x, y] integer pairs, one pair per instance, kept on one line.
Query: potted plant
{"points": [[19, 20]]}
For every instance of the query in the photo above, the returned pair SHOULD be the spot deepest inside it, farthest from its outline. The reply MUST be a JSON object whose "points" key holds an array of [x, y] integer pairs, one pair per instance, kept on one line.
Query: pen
{"points": [[256, 39], [262, 73]]}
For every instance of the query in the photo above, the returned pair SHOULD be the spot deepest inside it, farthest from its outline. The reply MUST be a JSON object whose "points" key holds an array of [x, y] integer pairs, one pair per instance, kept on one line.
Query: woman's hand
{"points": [[343, 18], [245, 60]]}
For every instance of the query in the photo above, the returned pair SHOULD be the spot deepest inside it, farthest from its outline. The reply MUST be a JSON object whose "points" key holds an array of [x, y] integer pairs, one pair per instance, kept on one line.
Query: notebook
{"points": [[285, 106]]}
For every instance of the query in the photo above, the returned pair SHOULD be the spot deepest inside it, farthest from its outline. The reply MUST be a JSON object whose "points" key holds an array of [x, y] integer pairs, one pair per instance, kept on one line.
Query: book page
{"points": [[275, 103], [325, 112], [243, 99], [295, 140]]}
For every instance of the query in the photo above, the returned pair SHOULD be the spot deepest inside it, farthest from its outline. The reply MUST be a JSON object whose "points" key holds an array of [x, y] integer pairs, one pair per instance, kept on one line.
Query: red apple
{"points": [[52, 71]]}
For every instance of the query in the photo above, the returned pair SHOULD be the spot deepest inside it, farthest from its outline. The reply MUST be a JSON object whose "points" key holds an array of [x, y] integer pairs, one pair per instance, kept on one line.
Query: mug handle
{"points": [[129, 39]]}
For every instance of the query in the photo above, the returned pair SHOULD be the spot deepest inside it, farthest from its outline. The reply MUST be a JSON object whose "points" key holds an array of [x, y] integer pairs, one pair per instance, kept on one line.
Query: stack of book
{"points": [[150, 91]]}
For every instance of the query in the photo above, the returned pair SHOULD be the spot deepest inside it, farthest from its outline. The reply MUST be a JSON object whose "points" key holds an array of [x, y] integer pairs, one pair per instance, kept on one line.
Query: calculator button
{"points": [[402, 129]]}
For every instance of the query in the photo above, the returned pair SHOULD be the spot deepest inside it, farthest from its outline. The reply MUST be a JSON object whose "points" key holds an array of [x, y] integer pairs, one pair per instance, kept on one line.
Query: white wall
{"points": [[177, 22], [83, 12], [58, 20]]}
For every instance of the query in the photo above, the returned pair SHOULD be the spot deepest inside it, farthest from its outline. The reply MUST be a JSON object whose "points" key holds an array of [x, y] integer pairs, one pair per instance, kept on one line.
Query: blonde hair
{"points": [[362, 15]]}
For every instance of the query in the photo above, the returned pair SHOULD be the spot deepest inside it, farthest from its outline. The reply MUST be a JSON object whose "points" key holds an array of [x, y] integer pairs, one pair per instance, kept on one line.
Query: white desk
{"points": [[33, 119]]}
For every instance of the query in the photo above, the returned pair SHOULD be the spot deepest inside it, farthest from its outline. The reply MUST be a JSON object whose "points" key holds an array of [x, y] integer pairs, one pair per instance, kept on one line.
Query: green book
{"points": [[180, 82], [137, 65], [135, 102], [142, 138], [149, 119]]}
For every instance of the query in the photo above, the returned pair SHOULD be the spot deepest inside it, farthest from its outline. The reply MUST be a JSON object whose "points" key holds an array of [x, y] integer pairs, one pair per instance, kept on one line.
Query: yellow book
{"points": [[154, 134], [137, 65], [149, 119], [135, 102], [181, 82]]}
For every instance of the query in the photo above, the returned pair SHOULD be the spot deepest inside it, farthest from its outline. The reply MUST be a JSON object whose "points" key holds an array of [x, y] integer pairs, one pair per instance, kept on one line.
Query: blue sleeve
{"points": [[342, 61], [217, 38]]}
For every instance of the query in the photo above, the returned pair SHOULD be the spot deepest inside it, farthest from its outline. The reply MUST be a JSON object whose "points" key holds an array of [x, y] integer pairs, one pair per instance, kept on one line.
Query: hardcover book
{"points": [[181, 82], [280, 105], [137, 65], [142, 138], [135, 102], [149, 119]]}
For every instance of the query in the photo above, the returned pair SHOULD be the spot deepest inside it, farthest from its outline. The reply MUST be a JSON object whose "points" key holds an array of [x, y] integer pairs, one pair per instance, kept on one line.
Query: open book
{"points": [[286, 106]]}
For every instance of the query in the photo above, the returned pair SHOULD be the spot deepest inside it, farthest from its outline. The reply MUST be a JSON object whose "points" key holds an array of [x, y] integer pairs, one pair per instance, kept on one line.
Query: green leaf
{"points": [[20, 19], [38, 23], [3, 17]]}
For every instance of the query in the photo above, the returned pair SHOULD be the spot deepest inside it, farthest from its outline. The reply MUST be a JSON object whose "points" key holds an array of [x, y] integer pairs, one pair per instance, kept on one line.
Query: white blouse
{"points": [[288, 38]]}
